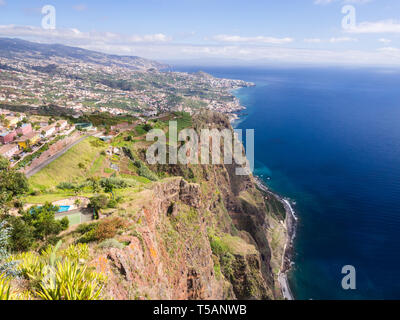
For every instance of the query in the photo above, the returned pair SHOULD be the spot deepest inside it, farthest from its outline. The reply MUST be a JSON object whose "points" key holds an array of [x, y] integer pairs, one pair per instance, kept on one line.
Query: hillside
{"points": [[164, 231], [23, 50]]}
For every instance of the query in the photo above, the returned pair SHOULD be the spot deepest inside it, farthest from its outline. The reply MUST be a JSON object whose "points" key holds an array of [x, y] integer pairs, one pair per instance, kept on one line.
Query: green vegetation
{"points": [[59, 275], [111, 243], [13, 185], [100, 231], [67, 168]]}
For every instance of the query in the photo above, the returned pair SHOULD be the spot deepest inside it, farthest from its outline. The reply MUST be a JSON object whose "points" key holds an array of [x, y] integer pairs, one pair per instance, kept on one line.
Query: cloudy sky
{"points": [[351, 32]]}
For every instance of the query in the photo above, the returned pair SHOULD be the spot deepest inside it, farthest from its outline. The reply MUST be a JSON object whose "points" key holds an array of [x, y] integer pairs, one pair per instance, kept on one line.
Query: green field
{"points": [[76, 165]]}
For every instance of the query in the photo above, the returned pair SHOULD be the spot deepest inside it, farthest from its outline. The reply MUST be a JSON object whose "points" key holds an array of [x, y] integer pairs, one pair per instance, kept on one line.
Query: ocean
{"points": [[329, 139]]}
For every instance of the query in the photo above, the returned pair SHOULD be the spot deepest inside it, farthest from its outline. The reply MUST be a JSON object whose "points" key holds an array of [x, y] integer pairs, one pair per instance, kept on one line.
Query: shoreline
{"points": [[290, 223]]}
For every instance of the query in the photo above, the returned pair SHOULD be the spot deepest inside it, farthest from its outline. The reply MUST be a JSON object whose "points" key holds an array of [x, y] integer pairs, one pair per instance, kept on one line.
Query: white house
{"points": [[9, 150], [62, 125], [48, 131]]}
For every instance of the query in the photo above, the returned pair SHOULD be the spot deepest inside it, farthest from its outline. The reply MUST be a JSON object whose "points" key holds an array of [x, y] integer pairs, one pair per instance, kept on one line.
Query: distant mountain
{"points": [[22, 49]]}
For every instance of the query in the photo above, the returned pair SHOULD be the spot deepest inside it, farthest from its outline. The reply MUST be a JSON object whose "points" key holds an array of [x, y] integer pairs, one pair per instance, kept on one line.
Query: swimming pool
{"points": [[64, 209], [61, 210]]}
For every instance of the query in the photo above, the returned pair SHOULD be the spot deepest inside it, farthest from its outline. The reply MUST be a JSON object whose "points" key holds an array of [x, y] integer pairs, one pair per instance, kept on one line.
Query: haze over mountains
{"points": [[22, 50]]}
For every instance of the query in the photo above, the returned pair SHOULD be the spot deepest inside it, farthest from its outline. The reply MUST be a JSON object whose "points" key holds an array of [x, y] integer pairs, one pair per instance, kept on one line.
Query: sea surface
{"points": [[329, 139]]}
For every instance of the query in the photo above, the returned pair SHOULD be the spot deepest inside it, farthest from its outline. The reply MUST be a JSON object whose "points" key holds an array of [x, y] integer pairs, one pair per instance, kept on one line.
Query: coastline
{"points": [[290, 225]]}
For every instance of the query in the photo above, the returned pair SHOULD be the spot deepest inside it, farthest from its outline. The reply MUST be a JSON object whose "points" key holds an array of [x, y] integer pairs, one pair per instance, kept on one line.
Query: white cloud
{"points": [[342, 39], [76, 37], [160, 46], [313, 40], [386, 41], [2, 3], [384, 26], [259, 39]]}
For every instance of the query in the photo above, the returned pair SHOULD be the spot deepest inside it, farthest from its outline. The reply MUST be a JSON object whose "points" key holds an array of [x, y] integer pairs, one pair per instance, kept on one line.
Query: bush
{"points": [[86, 227], [42, 219], [105, 229], [99, 202], [112, 204], [64, 223], [111, 243], [108, 228], [21, 236], [66, 186], [145, 172]]}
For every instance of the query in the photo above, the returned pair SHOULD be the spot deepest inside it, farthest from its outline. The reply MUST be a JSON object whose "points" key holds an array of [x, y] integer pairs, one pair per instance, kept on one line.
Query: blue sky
{"points": [[256, 31]]}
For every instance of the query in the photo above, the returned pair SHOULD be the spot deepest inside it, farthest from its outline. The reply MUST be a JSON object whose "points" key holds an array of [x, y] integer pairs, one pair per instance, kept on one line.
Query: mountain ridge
{"points": [[18, 48]]}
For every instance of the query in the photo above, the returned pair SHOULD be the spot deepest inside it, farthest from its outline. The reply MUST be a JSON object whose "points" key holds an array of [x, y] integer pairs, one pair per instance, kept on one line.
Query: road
{"points": [[35, 170]]}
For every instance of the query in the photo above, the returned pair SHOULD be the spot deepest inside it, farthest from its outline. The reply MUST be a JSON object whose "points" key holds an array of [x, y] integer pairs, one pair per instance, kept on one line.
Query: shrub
{"points": [[111, 243], [64, 223], [66, 186], [112, 204], [21, 236], [99, 202], [42, 219], [143, 171], [86, 227], [105, 229], [6, 267], [108, 228]]}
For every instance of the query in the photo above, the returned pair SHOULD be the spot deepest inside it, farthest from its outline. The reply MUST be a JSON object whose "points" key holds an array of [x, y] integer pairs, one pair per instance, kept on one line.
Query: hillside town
{"points": [[21, 136], [84, 87]]}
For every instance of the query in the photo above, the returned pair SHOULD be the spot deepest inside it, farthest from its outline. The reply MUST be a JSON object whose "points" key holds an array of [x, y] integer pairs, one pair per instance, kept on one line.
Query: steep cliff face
{"points": [[215, 237]]}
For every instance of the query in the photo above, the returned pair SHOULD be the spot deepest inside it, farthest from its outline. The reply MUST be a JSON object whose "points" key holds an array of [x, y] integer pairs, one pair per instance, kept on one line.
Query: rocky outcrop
{"points": [[205, 233]]}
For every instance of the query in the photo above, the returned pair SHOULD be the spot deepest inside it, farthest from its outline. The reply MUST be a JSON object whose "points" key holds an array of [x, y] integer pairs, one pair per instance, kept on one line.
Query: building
{"points": [[84, 126], [25, 129], [12, 121], [48, 131], [28, 140], [9, 150], [61, 125], [7, 137]]}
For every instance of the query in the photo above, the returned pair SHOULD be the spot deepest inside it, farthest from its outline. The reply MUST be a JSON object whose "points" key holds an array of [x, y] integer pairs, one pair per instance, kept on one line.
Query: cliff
{"points": [[201, 233]]}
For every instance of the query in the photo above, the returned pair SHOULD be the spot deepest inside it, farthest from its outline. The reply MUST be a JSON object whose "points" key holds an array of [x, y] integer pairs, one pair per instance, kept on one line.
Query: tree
{"points": [[94, 183], [22, 234], [44, 222], [108, 186], [99, 202], [13, 184]]}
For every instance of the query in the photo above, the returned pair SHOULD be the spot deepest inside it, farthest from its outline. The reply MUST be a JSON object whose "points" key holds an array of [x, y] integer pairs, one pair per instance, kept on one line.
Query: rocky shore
{"points": [[290, 225]]}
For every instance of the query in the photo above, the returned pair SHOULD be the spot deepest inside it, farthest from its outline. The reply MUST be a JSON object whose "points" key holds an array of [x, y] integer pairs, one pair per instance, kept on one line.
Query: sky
{"points": [[350, 32]]}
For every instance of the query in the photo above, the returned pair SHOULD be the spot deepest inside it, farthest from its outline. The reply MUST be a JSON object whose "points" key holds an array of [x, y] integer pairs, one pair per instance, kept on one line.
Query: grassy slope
{"points": [[66, 168]]}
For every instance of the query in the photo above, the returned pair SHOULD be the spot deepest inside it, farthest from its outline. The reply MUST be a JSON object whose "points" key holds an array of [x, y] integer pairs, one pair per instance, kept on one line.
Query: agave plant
{"points": [[4, 288], [29, 265], [70, 281], [77, 252]]}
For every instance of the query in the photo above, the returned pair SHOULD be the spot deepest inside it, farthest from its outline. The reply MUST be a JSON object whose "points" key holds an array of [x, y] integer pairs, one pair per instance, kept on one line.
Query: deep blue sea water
{"points": [[330, 140]]}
